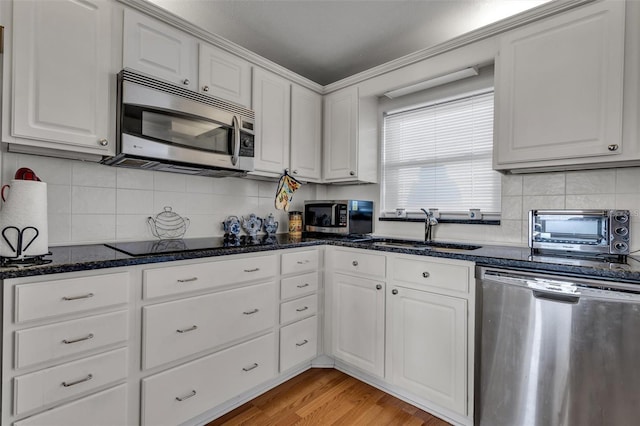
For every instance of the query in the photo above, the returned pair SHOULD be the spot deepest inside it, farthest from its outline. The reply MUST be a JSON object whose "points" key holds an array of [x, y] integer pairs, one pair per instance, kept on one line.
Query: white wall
{"points": [[89, 202], [598, 189]]}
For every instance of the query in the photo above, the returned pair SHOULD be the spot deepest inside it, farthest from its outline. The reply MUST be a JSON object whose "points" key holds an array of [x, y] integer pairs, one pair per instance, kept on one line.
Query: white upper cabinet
{"points": [[341, 135], [224, 75], [160, 50], [60, 91], [306, 134], [272, 104], [559, 90]]}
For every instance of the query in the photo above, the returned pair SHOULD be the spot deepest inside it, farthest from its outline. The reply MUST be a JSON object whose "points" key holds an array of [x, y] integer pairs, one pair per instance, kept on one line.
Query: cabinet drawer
{"points": [[178, 394], [301, 261], [39, 389], [180, 279], [299, 308], [106, 408], [298, 285], [432, 274], [50, 342], [51, 298], [298, 342], [359, 263], [176, 329]]}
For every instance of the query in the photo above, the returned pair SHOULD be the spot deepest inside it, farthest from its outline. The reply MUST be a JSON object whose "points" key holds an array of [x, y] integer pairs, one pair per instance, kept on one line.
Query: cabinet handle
{"points": [[295, 172], [302, 262], [84, 296], [255, 365], [186, 82], [302, 309], [378, 286], [186, 330], [187, 396], [205, 88], [352, 173], [425, 275], [103, 142], [252, 270], [613, 147], [354, 263], [303, 285], [84, 379], [394, 291], [251, 312], [81, 339], [188, 280], [304, 342]]}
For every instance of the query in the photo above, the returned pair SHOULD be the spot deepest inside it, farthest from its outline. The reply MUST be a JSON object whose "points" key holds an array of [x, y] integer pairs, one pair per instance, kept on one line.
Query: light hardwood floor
{"points": [[326, 397]]}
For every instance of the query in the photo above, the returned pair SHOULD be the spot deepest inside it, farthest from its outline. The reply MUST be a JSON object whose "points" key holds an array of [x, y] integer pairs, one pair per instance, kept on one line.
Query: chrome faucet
{"points": [[429, 222]]}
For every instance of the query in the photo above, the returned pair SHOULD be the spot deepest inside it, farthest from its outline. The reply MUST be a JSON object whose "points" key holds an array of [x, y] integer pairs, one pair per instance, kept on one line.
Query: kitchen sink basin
{"points": [[433, 246]]}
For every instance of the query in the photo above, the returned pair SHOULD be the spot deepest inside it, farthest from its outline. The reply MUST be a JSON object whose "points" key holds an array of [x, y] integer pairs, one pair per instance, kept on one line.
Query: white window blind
{"points": [[440, 156]]}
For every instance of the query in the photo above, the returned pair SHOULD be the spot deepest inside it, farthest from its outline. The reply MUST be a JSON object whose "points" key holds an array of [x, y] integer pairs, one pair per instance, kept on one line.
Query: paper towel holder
{"points": [[19, 247]]}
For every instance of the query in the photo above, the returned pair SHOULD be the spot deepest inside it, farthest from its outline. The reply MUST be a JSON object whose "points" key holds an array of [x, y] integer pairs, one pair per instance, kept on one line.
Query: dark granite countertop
{"points": [[99, 256]]}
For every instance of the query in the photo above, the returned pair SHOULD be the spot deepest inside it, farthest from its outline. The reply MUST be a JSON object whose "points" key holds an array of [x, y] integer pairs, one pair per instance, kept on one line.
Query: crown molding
{"points": [[535, 14], [532, 15], [157, 12]]}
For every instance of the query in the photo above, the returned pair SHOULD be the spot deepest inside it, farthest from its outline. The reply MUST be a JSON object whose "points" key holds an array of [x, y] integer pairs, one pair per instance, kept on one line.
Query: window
{"points": [[440, 156]]}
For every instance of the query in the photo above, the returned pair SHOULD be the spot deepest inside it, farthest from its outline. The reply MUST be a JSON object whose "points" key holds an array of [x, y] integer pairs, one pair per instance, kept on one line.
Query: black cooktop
{"points": [[145, 248]]}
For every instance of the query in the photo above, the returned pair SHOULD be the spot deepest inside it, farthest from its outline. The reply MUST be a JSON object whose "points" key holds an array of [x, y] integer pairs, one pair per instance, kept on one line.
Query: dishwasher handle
{"points": [[556, 296], [542, 288]]}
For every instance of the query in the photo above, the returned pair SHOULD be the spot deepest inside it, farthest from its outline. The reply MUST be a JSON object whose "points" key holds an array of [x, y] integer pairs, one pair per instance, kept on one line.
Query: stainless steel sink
{"points": [[433, 246]]}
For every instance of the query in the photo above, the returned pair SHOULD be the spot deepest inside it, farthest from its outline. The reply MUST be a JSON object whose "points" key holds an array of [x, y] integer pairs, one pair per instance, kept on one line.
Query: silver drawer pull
{"points": [[425, 275], [188, 280], [84, 296], [303, 285], [252, 270], [304, 342], [186, 330], [255, 365], [81, 339], [187, 396], [302, 262], [254, 311], [354, 263], [84, 379], [302, 309]]}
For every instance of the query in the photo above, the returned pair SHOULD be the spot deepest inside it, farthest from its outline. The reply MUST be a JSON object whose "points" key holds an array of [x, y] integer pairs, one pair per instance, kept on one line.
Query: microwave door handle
{"points": [[235, 141], [334, 208]]}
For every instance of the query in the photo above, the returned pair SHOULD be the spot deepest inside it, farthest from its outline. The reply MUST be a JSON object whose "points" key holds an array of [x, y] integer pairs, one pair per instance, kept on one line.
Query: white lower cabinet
{"points": [[106, 408], [298, 342], [173, 330], [428, 340], [179, 394], [358, 322]]}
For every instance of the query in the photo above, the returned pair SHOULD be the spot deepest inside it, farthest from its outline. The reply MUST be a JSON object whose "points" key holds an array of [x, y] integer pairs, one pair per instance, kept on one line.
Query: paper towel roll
{"points": [[25, 207]]}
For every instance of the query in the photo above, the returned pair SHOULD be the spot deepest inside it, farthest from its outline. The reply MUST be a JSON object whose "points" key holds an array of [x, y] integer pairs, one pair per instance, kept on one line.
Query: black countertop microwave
{"points": [[343, 217]]}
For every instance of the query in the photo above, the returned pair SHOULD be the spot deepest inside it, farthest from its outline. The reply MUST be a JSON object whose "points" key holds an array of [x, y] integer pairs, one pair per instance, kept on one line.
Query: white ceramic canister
{"points": [[24, 228]]}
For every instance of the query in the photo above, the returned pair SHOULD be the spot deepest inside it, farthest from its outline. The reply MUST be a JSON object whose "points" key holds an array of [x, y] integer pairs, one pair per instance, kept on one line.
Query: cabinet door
{"points": [[559, 88], [271, 102], [427, 337], [61, 58], [306, 134], [224, 75], [341, 135], [358, 322], [160, 50]]}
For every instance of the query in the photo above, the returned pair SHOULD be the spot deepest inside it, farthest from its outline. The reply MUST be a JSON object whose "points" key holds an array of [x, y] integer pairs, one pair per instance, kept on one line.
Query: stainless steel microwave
{"points": [[342, 217], [166, 127], [580, 231]]}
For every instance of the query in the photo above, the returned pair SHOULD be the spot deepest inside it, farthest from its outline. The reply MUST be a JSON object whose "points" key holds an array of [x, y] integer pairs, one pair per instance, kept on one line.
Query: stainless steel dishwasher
{"points": [[556, 351]]}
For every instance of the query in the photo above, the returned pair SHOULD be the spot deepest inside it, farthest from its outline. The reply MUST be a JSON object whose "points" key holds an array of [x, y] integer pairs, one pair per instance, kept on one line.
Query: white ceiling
{"points": [[327, 40]]}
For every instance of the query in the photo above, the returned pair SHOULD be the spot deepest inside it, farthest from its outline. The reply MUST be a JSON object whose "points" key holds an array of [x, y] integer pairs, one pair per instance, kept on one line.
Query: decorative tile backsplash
{"points": [[89, 202]]}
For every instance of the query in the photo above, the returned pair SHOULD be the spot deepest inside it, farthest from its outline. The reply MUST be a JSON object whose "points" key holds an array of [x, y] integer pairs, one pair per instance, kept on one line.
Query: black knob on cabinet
{"points": [[394, 291], [378, 286]]}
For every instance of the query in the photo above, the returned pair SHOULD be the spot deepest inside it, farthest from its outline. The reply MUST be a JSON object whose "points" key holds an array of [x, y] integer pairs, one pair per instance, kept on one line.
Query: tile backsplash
{"points": [[89, 202]]}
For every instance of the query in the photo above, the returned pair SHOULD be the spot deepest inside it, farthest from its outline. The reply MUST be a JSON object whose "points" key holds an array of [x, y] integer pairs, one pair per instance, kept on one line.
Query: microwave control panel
{"points": [[246, 144], [342, 215]]}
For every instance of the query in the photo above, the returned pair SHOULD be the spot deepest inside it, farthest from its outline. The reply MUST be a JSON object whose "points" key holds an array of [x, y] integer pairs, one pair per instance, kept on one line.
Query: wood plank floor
{"points": [[326, 397]]}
